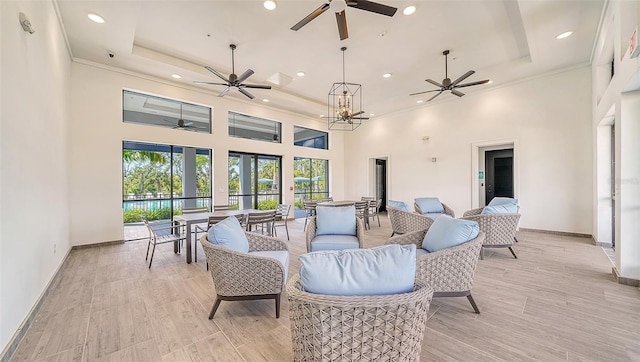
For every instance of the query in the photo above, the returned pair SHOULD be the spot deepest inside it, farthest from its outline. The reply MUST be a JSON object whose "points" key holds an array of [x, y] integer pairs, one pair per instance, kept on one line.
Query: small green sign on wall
{"points": [[481, 175]]}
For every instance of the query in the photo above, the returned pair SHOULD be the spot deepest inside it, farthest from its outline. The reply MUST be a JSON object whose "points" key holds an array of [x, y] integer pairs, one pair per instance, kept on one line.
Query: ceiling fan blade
{"points": [[314, 14], [362, 118], [434, 83], [458, 93], [462, 77], [341, 18], [244, 76], [373, 7], [214, 83], [437, 94], [357, 114], [473, 83], [429, 91], [216, 73], [224, 92], [246, 93], [256, 86]]}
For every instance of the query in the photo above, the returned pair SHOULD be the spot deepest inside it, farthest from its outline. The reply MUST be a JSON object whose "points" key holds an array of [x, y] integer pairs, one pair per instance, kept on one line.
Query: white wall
{"points": [[34, 208], [97, 132], [618, 97], [549, 119]]}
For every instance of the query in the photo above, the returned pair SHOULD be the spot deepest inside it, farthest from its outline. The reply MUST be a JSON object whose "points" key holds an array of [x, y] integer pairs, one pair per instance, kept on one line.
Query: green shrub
{"points": [[267, 205], [130, 216], [298, 205]]}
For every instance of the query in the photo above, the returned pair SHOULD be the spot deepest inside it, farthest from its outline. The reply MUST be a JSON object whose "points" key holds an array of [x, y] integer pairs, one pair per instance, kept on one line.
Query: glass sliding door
{"points": [[310, 177], [254, 181], [159, 180]]}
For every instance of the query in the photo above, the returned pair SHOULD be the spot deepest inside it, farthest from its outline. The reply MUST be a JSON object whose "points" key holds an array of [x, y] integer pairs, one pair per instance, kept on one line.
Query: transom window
{"points": [[163, 112], [306, 137], [254, 128]]}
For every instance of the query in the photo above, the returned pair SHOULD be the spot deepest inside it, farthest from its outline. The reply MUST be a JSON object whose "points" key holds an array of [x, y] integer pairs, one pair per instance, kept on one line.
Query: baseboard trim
{"points": [[563, 233], [13, 344], [93, 245], [624, 280], [602, 244]]}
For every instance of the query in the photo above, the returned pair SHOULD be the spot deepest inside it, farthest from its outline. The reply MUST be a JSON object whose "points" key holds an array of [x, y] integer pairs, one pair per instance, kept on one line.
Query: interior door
{"points": [[381, 183], [499, 174]]}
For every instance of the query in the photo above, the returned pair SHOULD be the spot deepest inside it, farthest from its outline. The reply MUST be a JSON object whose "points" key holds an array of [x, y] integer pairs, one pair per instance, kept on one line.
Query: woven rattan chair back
{"points": [[357, 328], [403, 222]]}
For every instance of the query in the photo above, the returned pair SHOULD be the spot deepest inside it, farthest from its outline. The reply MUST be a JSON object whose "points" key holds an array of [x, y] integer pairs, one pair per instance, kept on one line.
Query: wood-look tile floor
{"points": [[557, 302]]}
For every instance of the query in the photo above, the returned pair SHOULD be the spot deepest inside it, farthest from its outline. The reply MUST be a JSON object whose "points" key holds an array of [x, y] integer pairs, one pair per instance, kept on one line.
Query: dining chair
{"points": [[362, 212], [264, 219], [162, 235], [221, 207], [374, 207], [309, 211], [282, 214]]}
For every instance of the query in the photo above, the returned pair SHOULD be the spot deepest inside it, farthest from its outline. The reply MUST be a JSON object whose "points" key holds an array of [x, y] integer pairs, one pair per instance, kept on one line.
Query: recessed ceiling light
{"points": [[96, 18], [269, 4], [322, 116], [564, 35], [371, 114], [490, 81], [301, 74], [420, 101], [386, 75], [265, 100], [409, 10], [176, 76]]}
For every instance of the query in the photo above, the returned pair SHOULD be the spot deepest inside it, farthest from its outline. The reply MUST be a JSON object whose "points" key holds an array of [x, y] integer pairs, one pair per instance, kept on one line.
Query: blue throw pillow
{"points": [[497, 201], [229, 234], [429, 205], [383, 270], [501, 209], [336, 220], [399, 205], [447, 232]]}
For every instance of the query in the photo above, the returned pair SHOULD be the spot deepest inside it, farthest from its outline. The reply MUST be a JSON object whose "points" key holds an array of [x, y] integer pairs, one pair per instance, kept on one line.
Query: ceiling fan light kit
{"points": [[344, 104], [234, 80], [448, 85]]}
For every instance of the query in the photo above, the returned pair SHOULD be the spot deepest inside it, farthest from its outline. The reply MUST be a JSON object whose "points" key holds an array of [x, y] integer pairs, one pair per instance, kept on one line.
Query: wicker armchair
{"points": [[403, 222], [240, 276], [447, 210], [311, 232], [449, 271], [357, 328], [500, 229]]}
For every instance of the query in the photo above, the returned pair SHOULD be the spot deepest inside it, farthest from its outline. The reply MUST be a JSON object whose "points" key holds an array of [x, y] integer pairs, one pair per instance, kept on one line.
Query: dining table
{"points": [[337, 203], [188, 220]]}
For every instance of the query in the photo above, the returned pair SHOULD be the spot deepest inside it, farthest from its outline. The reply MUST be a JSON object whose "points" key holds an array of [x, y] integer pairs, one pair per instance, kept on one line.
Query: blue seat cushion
{"points": [[383, 270], [399, 205], [447, 232], [500, 209], [336, 220], [280, 255], [434, 215], [429, 205], [334, 242], [496, 201], [228, 233]]}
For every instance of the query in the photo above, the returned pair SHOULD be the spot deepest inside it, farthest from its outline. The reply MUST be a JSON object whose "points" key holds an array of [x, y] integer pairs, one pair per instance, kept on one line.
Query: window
{"points": [[163, 112], [254, 128], [159, 180], [306, 137], [254, 181], [310, 179]]}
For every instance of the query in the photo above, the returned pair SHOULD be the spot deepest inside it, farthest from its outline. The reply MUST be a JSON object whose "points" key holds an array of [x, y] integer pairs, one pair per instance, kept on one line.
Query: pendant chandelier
{"points": [[344, 105]]}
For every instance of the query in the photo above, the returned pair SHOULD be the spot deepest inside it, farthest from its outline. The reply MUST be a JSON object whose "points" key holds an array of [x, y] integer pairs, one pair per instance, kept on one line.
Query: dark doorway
{"points": [[499, 173], [381, 183]]}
